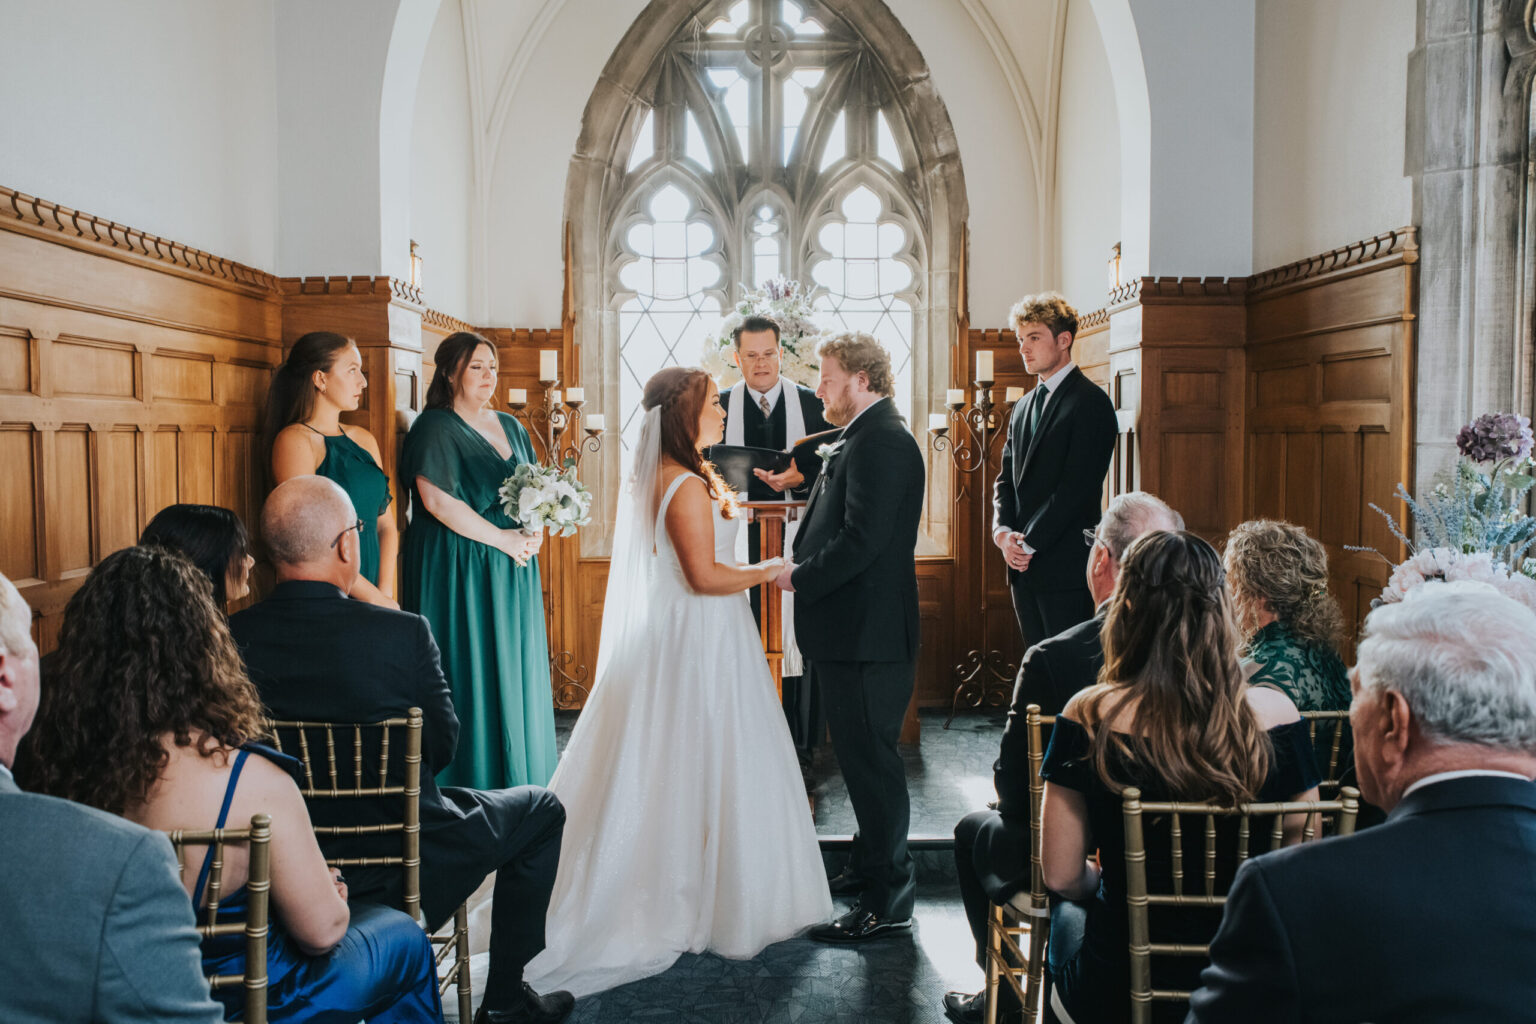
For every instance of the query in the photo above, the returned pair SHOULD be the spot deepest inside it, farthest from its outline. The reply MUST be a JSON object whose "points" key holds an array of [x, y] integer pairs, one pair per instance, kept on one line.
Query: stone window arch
{"points": [[735, 140]]}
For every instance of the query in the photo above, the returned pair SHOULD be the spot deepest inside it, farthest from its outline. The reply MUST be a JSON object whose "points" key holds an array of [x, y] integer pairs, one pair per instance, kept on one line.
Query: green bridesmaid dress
{"points": [[350, 465], [486, 611]]}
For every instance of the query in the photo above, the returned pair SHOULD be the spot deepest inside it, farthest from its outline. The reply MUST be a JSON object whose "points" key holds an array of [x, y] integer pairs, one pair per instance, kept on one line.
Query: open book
{"points": [[735, 462]]}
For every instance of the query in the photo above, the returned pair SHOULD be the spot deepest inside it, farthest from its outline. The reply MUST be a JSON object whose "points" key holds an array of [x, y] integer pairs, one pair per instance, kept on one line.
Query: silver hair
{"points": [[1132, 514], [15, 620], [302, 517], [1464, 657]]}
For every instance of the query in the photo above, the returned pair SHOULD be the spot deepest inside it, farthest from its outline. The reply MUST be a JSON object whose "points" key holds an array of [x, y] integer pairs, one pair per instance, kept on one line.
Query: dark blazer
{"points": [[316, 655], [1052, 671], [97, 924], [771, 431], [856, 574], [1428, 917], [1051, 483]]}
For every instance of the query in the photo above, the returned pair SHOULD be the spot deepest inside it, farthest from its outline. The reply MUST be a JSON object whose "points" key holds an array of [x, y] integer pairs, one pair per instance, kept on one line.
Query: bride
{"points": [[687, 825]]}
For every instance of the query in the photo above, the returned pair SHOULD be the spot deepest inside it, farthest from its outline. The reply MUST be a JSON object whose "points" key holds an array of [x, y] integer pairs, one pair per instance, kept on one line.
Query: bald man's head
{"points": [[302, 518]]}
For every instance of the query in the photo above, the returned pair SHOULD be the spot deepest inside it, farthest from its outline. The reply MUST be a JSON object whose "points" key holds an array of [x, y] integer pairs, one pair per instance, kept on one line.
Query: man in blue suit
{"points": [[97, 925], [1429, 916]]}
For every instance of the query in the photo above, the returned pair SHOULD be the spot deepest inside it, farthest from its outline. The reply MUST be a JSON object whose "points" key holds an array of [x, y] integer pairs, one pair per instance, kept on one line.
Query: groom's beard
{"points": [[839, 408]]}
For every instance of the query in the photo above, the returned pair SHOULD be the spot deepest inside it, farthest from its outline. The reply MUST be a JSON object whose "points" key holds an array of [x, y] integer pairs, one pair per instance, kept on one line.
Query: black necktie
{"points": [[1037, 407]]}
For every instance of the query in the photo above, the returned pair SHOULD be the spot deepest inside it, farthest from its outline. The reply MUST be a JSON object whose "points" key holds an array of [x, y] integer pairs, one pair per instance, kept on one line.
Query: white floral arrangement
{"points": [[1474, 526], [785, 302], [545, 497]]}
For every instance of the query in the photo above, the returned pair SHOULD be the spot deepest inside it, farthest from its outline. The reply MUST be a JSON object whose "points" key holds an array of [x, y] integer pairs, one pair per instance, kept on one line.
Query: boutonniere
{"points": [[826, 451]]}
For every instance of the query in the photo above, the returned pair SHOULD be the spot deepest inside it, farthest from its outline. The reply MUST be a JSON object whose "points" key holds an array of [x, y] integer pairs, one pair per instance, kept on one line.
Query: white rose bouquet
{"points": [[540, 497]]}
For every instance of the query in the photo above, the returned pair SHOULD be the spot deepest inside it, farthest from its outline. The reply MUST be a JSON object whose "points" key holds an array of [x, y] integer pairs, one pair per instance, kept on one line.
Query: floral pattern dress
{"points": [[1313, 676]]}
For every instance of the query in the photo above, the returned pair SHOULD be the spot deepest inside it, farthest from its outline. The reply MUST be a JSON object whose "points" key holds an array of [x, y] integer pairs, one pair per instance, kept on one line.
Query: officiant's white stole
{"points": [[794, 430]]}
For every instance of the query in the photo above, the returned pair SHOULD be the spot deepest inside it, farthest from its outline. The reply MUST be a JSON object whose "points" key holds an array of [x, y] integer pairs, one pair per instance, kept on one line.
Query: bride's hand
{"points": [[769, 570]]}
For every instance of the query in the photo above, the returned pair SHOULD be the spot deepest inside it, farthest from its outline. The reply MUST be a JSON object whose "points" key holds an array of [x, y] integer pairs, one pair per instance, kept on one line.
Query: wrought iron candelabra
{"points": [[560, 438], [984, 675]]}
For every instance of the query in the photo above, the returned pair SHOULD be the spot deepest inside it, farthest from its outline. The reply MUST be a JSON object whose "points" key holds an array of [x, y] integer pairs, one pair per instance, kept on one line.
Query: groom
{"points": [[854, 575]]}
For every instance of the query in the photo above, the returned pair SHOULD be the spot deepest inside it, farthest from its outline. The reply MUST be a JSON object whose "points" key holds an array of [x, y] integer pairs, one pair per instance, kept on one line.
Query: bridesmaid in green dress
{"points": [[474, 575], [321, 379]]}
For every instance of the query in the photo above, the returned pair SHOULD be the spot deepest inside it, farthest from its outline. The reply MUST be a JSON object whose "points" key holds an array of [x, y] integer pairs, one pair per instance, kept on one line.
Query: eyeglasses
{"points": [[358, 526], [1090, 537]]}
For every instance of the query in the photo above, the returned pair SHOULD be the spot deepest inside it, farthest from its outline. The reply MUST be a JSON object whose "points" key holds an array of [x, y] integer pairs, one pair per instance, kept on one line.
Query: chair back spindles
{"points": [[1140, 899], [1333, 769], [256, 927]]}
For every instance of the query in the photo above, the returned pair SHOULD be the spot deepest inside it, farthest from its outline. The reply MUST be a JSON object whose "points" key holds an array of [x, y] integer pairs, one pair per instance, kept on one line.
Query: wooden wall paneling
{"points": [[127, 363]]}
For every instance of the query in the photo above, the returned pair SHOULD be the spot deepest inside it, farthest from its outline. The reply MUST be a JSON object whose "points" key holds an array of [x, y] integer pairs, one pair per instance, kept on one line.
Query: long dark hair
{"points": [[143, 651], [1171, 642], [291, 398], [213, 539], [681, 391], [452, 353]]}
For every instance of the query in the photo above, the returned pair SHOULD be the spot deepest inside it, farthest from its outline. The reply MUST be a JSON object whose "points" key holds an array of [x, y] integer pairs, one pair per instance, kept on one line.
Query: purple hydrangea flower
{"points": [[1496, 435]]}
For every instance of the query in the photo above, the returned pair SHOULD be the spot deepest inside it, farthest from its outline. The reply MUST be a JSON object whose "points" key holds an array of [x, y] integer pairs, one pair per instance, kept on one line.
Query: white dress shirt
{"points": [[772, 394], [1465, 773]]}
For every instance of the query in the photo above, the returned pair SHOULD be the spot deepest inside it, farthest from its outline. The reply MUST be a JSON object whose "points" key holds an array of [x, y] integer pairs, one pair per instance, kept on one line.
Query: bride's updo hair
{"points": [[679, 392]]}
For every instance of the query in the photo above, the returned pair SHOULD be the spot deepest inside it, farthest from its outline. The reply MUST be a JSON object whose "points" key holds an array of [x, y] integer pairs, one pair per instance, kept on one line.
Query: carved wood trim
{"points": [[111, 238], [443, 322], [1402, 244]]}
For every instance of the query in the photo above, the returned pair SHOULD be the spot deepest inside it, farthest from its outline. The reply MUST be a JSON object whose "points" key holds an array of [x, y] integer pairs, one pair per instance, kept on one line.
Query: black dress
{"points": [[1094, 981]]}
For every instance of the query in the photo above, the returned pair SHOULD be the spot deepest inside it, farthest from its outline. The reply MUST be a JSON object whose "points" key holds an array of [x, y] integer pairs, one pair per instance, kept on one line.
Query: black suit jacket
{"points": [[1051, 483], [1052, 671], [759, 431], [316, 655], [1430, 917], [856, 577]]}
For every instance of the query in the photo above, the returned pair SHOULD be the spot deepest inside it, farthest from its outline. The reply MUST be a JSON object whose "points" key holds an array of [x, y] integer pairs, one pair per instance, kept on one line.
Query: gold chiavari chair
{"points": [[258, 885], [1340, 757], [1027, 913], [314, 744], [1139, 900]]}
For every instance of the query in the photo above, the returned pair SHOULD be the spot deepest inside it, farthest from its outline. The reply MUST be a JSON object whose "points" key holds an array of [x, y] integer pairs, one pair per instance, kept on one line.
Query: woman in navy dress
{"points": [[148, 713]]}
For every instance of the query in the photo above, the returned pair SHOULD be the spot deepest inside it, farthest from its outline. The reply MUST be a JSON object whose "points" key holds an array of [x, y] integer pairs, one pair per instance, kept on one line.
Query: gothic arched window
{"points": [[767, 141]]}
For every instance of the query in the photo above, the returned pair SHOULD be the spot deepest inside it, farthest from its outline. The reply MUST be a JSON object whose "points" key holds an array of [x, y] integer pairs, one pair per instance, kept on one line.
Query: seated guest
{"points": [[1427, 917], [316, 656], [1173, 717], [97, 925], [992, 846], [1290, 621], [148, 714], [214, 539]]}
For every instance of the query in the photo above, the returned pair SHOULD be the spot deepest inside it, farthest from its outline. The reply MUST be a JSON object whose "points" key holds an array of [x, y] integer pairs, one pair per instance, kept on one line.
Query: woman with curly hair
{"points": [[1290, 621], [1172, 716], [148, 713]]}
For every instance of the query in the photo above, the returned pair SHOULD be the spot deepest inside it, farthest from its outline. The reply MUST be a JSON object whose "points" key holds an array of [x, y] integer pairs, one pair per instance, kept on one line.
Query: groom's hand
{"points": [[784, 581], [785, 481]]}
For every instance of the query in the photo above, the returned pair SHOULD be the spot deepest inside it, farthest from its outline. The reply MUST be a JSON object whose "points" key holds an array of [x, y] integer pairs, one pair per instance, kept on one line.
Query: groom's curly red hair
{"points": [[680, 392]]}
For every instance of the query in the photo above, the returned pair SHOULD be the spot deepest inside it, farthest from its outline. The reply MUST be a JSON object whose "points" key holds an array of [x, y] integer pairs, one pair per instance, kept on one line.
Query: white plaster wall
{"points": [[1330, 102], [159, 114], [442, 173], [1087, 163], [543, 116]]}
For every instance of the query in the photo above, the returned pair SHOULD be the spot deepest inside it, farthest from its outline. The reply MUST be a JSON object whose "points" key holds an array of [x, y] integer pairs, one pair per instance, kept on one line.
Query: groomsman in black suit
{"points": [[317, 655], [854, 574], [768, 410], [992, 846], [1060, 439]]}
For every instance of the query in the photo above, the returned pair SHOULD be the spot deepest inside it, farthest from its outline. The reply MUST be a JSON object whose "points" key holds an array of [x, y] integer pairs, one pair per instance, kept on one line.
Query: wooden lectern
{"points": [[772, 515]]}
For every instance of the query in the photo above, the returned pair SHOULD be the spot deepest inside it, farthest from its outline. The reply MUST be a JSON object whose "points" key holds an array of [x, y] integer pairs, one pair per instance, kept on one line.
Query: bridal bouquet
{"points": [[786, 302], [1474, 525], [544, 496]]}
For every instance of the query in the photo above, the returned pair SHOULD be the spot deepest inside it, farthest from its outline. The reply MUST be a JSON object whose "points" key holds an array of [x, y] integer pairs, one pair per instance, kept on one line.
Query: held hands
{"points": [[785, 579], [769, 570], [521, 546], [1012, 545], [785, 481]]}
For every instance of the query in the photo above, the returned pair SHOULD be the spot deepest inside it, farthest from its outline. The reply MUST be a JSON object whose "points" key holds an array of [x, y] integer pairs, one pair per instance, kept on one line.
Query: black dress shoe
{"points": [[858, 925], [530, 1008], [845, 883], [965, 1009]]}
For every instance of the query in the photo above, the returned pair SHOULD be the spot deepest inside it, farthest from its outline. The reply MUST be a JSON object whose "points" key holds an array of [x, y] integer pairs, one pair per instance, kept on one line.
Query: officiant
{"points": [[767, 410]]}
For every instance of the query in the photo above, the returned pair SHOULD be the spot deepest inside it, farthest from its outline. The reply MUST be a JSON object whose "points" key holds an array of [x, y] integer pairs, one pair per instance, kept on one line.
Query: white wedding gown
{"points": [[687, 827]]}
